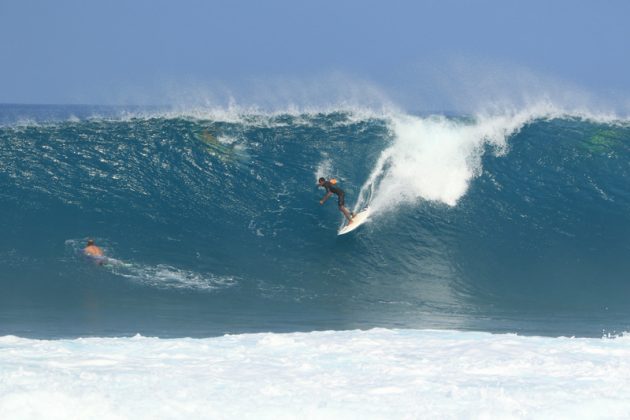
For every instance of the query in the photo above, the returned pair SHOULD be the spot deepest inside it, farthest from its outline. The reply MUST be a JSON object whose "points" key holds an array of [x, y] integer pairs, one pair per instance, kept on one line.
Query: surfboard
{"points": [[357, 221]]}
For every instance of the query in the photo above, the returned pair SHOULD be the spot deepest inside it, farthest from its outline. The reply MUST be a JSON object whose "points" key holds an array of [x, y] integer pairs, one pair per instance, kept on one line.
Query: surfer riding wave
{"points": [[331, 189]]}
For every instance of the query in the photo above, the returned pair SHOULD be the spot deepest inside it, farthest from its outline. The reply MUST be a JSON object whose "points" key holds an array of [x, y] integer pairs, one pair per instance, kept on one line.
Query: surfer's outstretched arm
{"points": [[326, 197]]}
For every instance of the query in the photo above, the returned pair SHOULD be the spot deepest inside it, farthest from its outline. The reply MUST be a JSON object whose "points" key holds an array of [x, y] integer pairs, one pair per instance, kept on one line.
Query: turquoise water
{"points": [[216, 223]]}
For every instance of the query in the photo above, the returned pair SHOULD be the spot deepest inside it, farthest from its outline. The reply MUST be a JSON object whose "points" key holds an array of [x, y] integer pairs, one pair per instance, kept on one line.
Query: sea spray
{"points": [[435, 157]]}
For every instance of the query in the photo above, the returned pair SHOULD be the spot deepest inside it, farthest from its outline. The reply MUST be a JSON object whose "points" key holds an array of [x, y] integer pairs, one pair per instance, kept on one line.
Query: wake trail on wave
{"points": [[164, 276], [160, 276]]}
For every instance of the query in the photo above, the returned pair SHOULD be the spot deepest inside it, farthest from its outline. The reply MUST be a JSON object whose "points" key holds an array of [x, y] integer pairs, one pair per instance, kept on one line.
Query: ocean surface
{"points": [[512, 223], [492, 238]]}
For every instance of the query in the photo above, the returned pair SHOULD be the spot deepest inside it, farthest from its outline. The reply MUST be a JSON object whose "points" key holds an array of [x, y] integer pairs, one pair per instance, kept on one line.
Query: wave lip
{"points": [[435, 157]]}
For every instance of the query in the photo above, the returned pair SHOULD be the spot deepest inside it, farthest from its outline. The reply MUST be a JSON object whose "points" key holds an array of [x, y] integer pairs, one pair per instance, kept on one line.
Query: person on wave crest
{"points": [[331, 189]]}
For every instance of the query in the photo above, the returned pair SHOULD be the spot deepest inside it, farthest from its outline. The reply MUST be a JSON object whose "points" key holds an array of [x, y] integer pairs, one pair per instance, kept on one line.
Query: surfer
{"points": [[331, 189], [94, 252]]}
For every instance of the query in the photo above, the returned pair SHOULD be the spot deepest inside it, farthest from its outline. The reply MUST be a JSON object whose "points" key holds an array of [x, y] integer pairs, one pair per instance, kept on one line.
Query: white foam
{"points": [[229, 140], [435, 158], [319, 375], [163, 276]]}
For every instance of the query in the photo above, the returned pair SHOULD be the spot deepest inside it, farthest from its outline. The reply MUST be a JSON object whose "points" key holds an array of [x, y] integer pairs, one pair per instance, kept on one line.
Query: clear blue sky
{"points": [[123, 51]]}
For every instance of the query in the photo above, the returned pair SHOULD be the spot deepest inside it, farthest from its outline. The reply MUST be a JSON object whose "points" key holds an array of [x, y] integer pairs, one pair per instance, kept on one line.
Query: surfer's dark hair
{"points": [[90, 242], [322, 179]]}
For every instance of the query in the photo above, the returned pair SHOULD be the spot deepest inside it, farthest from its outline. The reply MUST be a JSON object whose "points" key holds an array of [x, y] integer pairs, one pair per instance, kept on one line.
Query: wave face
{"points": [[514, 223]]}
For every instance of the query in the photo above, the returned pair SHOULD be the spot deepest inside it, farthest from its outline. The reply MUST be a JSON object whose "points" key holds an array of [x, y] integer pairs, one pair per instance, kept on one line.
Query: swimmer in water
{"points": [[95, 252]]}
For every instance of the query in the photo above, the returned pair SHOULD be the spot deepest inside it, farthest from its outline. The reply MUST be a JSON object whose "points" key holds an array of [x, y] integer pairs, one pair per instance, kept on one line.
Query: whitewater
{"points": [[344, 374], [490, 282]]}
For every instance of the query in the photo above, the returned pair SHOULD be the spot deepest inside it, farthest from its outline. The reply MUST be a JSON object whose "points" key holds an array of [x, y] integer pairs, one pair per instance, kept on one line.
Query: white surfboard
{"points": [[357, 221]]}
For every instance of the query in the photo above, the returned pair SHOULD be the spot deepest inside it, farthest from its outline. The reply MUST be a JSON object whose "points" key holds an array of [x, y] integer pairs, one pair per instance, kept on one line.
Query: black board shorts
{"points": [[341, 200]]}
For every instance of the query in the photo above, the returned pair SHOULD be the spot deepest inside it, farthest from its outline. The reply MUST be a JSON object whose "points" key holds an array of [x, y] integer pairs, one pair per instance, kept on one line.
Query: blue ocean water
{"points": [[479, 224]]}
